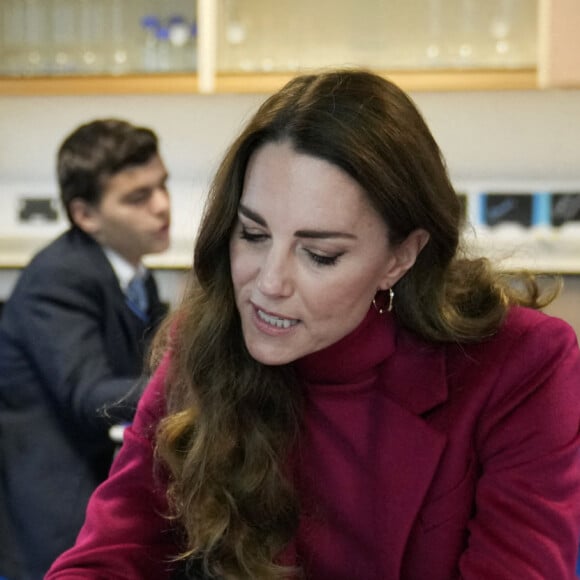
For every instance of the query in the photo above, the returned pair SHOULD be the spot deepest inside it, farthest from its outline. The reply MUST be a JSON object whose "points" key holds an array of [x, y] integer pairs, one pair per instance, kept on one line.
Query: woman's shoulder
{"points": [[534, 324], [527, 343], [527, 339]]}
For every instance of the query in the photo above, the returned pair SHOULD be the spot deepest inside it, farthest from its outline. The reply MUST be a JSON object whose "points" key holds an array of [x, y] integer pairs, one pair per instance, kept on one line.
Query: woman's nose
{"points": [[275, 277]]}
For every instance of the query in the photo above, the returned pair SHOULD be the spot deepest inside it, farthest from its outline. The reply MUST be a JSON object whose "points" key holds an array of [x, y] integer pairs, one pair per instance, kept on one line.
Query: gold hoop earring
{"points": [[389, 308], [391, 296]]}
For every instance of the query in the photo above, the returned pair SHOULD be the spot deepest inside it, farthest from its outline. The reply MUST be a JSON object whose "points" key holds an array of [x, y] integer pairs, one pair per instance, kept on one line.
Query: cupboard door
{"points": [[260, 36], [559, 43], [66, 38]]}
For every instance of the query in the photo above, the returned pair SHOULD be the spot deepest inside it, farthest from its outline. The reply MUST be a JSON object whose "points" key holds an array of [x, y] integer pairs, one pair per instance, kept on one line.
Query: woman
{"points": [[343, 394]]}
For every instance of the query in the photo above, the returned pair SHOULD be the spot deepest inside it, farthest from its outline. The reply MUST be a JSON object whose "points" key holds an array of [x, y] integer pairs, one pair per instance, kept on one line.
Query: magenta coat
{"points": [[479, 468]]}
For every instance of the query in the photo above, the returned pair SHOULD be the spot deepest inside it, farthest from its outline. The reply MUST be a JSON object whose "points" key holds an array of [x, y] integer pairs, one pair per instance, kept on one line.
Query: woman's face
{"points": [[308, 254]]}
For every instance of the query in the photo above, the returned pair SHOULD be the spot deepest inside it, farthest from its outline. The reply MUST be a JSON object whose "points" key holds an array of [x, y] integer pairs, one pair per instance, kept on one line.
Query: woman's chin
{"points": [[269, 356]]}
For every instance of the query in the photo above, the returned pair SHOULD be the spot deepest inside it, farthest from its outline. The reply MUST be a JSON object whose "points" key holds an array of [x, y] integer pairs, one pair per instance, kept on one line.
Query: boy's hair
{"points": [[94, 152]]}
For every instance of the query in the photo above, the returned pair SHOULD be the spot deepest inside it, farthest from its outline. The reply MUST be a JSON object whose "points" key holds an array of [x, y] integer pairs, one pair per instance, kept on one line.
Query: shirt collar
{"points": [[124, 270]]}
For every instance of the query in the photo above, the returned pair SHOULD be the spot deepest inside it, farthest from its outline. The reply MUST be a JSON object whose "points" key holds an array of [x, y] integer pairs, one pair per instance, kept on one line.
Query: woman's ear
{"points": [[85, 216], [404, 257]]}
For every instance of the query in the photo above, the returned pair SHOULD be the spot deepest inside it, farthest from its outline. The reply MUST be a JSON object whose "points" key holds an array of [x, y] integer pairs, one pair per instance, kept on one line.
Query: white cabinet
{"points": [[257, 45], [287, 35]]}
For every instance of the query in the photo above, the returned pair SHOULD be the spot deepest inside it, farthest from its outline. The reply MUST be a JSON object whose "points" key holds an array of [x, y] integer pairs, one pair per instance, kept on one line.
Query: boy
{"points": [[74, 332]]}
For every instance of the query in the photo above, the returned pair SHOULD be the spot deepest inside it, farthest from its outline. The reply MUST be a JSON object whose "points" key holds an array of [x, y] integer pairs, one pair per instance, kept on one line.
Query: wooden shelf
{"points": [[99, 85], [421, 80]]}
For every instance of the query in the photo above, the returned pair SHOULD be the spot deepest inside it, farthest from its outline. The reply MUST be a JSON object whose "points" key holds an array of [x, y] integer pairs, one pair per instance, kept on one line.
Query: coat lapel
{"points": [[114, 296], [410, 449], [157, 310]]}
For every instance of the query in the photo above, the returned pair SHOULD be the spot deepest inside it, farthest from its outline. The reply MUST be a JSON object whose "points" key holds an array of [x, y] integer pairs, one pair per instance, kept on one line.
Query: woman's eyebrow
{"points": [[312, 234], [252, 215], [322, 234]]}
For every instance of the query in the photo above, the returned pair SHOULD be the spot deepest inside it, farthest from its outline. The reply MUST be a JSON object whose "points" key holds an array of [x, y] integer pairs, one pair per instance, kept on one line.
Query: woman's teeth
{"points": [[275, 321]]}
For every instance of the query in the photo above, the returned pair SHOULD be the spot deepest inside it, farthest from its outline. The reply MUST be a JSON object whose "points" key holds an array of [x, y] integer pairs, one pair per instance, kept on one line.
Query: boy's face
{"points": [[133, 216]]}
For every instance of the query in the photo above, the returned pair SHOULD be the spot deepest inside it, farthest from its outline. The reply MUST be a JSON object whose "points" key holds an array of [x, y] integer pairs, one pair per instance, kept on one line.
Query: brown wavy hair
{"points": [[232, 421]]}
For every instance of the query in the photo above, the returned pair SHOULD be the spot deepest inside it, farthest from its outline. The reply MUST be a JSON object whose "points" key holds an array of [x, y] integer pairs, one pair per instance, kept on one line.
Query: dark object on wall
{"points": [[41, 208], [503, 208], [565, 208]]}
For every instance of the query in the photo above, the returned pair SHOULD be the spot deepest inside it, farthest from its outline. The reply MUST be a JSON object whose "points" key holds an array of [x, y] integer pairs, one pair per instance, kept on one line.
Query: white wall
{"points": [[484, 135], [194, 129], [510, 136]]}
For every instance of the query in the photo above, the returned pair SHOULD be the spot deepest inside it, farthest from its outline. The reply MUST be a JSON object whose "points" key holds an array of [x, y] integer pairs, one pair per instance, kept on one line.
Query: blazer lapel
{"points": [[157, 310], [410, 449]]}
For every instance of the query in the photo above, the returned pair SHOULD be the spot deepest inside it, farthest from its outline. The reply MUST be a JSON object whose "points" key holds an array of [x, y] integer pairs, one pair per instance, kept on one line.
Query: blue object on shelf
{"points": [[541, 209]]}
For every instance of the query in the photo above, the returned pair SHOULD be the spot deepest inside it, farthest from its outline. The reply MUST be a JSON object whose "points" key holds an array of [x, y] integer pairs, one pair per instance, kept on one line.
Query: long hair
{"points": [[232, 421]]}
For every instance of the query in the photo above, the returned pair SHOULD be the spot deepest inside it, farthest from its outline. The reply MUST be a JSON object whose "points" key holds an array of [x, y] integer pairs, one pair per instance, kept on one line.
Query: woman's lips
{"points": [[271, 323]]}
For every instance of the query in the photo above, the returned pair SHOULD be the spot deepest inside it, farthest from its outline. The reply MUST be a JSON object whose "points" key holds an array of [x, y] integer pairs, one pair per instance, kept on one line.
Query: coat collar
{"points": [[412, 370], [413, 381], [414, 377]]}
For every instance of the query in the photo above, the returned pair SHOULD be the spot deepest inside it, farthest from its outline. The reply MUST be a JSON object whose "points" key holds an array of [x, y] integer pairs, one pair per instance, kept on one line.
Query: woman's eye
{"points": [[252, 236], [321, 260]]}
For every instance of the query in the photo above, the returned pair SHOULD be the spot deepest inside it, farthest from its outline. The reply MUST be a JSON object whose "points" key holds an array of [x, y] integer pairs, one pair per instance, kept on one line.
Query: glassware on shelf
{"points": [[92, 36], [179, 33], [508, 48], [150, 24], [234, 52], [36, 35], [120, 55], [65, 40], [193, 45], [163, 49], [235, 28], [12, 42], [168, 42], [63, 37], [465, 53], [500, 28], [434, 49]]}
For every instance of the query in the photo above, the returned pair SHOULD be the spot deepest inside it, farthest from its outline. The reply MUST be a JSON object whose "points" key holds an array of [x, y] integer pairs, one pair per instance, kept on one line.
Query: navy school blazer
{"points": [[70, 348]]}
